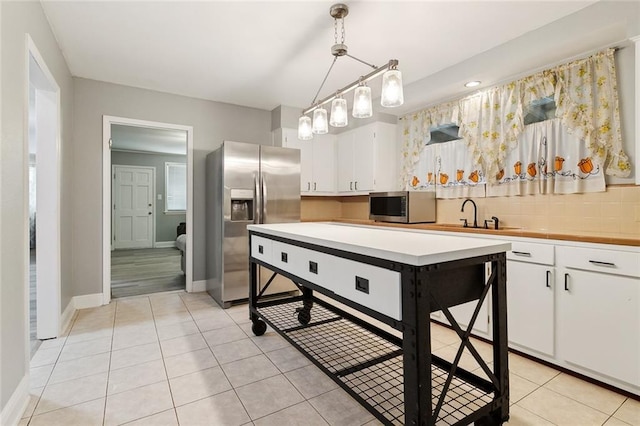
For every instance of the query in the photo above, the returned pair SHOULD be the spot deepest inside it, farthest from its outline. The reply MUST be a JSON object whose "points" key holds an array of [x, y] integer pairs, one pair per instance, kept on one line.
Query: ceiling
{"points": [[268, 53], [147, 139]]}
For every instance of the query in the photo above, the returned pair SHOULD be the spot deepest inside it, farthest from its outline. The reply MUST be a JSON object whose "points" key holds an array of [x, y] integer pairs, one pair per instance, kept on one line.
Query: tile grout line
{"points": [[44, 387], [615, 411], [164, 365], [75, 318], [220, 365], [535, 414], [575, 400], [265, 353], [106, 390]]}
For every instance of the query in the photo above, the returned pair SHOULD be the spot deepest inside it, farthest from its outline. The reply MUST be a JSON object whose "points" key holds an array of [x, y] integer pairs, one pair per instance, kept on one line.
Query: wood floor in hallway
{"points": [[145, 271]]}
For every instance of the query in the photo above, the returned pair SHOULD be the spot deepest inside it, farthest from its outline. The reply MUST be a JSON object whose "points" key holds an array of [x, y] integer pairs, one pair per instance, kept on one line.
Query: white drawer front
{"points": [[307, 264], [287, 257], [531, 252], [605, 261], [317, 268], [371, 286], [261, 248]]}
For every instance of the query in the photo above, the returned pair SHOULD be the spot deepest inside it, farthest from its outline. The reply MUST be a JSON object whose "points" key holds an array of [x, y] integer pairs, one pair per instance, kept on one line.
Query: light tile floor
{"points": [[179, 359]]}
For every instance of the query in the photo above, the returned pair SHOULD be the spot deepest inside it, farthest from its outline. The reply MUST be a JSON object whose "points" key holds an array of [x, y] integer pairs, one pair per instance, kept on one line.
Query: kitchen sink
{"points": [[459, 226]]}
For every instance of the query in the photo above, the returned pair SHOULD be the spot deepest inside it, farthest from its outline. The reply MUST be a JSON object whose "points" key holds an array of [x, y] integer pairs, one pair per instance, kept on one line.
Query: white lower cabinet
{"points": [[599, 313], [530, 306], [576, 305], [531, 298]]}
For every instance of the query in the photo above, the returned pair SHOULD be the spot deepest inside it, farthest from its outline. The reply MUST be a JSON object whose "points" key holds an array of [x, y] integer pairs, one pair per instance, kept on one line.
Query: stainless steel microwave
{"points": [[403, 206]]}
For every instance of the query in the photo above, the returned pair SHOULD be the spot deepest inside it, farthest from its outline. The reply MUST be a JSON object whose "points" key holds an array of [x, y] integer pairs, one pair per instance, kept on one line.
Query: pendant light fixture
{"points": [[320, 125], [304, 128], [362, 107], [339, 112], [392, 94]]}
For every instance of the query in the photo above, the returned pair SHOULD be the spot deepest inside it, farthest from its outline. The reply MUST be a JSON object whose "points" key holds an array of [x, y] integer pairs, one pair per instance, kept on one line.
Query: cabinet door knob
{"points": [[356, 185], [350, 186], [308, 186], [566, 282], [315, 186], [549, 279]]}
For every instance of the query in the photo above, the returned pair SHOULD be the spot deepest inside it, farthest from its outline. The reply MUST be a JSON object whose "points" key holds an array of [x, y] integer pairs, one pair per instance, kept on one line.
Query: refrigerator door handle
{"points": [[263, 197], [257, 200]]}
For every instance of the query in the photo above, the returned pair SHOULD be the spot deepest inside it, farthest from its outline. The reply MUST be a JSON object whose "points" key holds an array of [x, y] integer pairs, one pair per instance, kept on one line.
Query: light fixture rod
{"points": [[361, 61], [335, 58], [393, 63]]}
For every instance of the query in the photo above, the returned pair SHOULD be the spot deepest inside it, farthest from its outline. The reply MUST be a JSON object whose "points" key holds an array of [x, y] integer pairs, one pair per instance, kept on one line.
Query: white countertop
{"points": [[412, 248]]}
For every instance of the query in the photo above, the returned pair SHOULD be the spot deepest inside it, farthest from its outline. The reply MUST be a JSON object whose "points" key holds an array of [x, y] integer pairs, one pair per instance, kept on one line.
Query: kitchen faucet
{"points": [[475, 213]]}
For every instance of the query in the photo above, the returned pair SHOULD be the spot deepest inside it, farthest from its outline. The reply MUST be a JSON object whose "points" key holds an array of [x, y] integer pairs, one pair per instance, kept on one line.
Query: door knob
{"points": [[149, 212]]}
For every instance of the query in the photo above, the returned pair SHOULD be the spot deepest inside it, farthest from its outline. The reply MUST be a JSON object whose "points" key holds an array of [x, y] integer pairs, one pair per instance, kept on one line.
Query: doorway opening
{"points": [[43, 170], [147, 215]]}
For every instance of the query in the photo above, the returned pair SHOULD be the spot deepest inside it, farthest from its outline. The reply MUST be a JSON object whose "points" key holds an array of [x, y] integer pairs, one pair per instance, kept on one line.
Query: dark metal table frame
{"points": [[432, 390]]}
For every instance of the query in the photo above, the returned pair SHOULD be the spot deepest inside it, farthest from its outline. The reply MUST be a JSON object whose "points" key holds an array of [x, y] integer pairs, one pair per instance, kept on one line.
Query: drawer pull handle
{"points": [[600, 263], [260, 249], [521, 253], [313, 267], [549, 279], [566, 282], [362, 284], [284, 257]]}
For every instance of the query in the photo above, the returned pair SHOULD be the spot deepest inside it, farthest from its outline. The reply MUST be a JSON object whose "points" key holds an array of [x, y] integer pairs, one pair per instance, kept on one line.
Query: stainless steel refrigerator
{"points": [[246, 183]]}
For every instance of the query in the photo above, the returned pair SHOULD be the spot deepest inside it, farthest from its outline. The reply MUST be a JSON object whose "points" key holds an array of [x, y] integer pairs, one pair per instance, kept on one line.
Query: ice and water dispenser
{"points": [[241, 205]]}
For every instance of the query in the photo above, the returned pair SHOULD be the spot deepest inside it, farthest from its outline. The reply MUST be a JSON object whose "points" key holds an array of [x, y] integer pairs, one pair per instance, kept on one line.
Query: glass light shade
{"points": [[339, 113], [320, 124], [304, 128], [362, 102], [392, 95]]}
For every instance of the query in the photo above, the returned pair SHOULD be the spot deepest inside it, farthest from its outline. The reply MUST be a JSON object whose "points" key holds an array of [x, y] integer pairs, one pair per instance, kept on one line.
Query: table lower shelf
{"points": [[367, 364]]}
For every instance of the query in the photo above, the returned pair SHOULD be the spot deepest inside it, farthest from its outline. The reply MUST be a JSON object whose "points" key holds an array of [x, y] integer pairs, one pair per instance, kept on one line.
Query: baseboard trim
{"points": [[199, 286], [87, 301], [164, 244], [67, 317], [14, 409]]}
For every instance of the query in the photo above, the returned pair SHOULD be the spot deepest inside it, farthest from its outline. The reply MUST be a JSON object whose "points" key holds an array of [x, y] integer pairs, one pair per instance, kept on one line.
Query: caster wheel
{"points": [[304, 317], [259, 327]]}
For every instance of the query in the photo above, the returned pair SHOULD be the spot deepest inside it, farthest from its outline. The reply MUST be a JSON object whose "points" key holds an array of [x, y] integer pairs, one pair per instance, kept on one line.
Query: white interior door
{"points": [[133, 212]]}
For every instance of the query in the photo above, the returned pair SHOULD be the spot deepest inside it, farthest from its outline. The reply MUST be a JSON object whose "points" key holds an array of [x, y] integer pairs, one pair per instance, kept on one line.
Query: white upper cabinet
{"points": [[367, 159], [317, 161]]}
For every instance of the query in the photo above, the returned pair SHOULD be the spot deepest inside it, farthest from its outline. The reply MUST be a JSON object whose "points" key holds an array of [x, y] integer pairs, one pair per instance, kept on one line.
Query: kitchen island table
{"points": [[398, 278]]}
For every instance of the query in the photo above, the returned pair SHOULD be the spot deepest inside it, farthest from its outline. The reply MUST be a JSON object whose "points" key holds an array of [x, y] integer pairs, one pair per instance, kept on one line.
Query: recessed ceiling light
{"points": [[472, 83]]}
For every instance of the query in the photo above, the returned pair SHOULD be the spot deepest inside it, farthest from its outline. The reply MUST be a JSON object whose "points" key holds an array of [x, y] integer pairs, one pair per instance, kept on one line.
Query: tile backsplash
{"points": [[614, 212]]}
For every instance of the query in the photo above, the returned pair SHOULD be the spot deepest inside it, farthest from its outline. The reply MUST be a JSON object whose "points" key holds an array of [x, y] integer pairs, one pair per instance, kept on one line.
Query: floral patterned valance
{"points": [[416, 134], [586, 97], [587, 102]]}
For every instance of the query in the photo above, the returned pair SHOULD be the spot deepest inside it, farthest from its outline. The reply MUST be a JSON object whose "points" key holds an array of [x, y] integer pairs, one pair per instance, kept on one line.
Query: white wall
{"points": [[18, 19], [212, 123]]}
